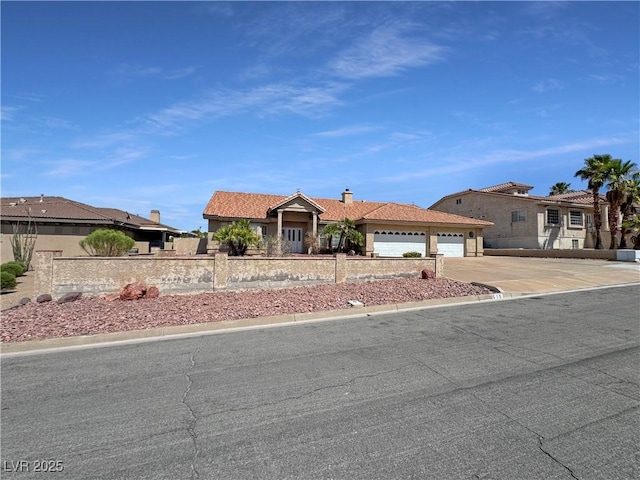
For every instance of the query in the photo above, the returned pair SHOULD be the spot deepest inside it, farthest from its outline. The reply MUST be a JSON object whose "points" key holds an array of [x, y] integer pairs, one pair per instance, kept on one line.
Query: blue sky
{"points": [[145, 105]]}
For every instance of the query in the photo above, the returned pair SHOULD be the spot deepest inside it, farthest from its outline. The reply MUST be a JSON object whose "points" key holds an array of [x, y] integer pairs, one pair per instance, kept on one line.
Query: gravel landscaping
{"points": [[93, 315]]}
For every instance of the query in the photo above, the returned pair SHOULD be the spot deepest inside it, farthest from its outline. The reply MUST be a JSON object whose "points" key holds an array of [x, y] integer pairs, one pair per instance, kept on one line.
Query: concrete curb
{"points": [[197, 329]]}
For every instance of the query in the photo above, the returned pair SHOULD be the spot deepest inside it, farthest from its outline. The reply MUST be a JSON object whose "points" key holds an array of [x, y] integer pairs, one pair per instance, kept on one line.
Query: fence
{"points": [[57, 275]]}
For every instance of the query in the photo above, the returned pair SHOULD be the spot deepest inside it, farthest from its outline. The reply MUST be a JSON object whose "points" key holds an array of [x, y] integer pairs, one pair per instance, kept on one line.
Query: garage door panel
{"points": [[395, 244], [451, 244]]}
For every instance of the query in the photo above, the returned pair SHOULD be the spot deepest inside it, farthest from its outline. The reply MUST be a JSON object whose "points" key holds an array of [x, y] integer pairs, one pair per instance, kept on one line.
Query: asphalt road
{"points": [[534, 388]]}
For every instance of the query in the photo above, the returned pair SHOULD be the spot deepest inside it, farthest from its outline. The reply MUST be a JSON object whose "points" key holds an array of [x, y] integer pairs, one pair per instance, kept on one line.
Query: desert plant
{"points": [[23, 242], [276, 247], [21, 265], [14, 269], [7, 281], [412, 254], [238, 236], [105, 242], [312, 242]]}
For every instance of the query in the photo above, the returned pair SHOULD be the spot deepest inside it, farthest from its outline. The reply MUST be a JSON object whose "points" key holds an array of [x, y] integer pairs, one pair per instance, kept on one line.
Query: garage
{"points": [[394, 244], [451, 244]]}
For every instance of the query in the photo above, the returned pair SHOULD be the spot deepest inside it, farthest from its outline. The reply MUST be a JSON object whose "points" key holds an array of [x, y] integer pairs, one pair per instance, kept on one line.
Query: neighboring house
{"points": [[389, 229], [61, 223], [521, 220]]}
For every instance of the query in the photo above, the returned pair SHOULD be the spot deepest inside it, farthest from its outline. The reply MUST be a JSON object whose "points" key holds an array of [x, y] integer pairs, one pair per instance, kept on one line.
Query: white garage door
{"points": [[451, 244], [394, 244]]}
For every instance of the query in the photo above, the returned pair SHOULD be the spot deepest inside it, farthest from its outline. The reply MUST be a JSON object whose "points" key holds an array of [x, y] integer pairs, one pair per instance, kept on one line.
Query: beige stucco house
{"points": [[521, 220], [390, 229], [61, 223]]}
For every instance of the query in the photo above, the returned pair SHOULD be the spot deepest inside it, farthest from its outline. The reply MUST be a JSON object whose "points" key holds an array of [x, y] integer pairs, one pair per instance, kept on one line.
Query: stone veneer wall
{"points": [[57, 275]]}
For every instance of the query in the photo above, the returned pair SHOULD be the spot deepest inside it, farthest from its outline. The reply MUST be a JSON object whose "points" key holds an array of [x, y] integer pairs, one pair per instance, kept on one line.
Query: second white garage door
{"points": [[394, 244], [451, 244]]}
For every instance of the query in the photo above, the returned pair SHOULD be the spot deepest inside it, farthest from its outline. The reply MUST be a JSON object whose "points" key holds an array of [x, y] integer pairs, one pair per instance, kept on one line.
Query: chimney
{"points": [[155, 216], [347, 197]]}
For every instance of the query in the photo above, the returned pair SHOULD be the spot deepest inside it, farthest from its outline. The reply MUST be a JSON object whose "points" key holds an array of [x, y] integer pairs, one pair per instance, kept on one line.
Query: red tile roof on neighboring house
{"points": [[230, 205]]}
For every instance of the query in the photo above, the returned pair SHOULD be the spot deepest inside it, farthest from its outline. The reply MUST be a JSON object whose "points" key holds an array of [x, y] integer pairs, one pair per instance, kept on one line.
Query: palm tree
{"points": [[560, 187], [346, 228], [238, 236], [617, 173], [632, 196], [594, 172]]}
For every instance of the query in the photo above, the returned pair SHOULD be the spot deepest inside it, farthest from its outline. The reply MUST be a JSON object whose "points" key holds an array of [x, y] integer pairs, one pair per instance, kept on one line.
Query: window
{"points": [[518, 216], [458, 201], [575, 218], [522, 192], [263, 231], [575, 244], [553, 216]]}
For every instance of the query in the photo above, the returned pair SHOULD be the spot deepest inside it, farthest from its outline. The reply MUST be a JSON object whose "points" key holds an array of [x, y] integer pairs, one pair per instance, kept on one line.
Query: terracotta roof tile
{"points": [[503, 186], [255, 206]]}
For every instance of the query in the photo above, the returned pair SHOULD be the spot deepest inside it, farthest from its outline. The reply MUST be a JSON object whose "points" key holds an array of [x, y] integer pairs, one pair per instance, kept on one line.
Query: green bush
{"points": [[412, 254], [107, 243], [22, 266], [7, 281], [12, 268]]}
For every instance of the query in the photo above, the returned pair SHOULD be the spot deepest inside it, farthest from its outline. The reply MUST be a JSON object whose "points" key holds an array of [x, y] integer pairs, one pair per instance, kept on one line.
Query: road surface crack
{"points": [[541, 447], [191, 427]]}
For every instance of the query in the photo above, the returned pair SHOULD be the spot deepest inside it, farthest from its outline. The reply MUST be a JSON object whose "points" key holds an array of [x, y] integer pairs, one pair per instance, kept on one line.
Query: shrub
{"points": [[107, 243], [22, 266], [12, 268], [7, 281], [412, 254]]}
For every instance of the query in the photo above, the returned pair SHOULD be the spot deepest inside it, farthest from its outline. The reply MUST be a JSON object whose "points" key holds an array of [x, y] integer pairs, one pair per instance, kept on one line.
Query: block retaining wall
{"points": [[57, 275], [548, 253]]}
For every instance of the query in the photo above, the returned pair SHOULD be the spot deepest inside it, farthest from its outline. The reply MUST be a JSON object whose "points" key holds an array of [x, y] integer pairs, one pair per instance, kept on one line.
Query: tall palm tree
{"points": [[595, 173], [560, 187], [632, 197], [617, 175]]}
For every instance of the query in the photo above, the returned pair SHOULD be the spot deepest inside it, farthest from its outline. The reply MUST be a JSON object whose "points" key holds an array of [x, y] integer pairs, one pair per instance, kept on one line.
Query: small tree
{"points": [[349, 236], [238, 236], [312, 242], [23, 243], [107, 243], [276, 247]]}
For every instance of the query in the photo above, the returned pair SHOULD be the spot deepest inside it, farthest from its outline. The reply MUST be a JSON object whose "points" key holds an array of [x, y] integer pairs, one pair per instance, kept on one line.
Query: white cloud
{"points": [[7, 113], [385, 52], [139, 71], [68, 167], [547, 85], [347, 131]]}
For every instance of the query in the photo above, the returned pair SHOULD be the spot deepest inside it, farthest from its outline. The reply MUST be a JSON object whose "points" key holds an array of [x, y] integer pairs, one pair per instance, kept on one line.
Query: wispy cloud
{"points": [[7, 113], [463, 162], [387, 51], [547, 85], [68, 167], [139, 71], [347, 131], [263, 100]]}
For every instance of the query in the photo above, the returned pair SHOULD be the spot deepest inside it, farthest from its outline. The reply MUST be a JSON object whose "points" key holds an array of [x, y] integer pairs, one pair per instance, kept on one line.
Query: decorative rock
{"points": [[133, 291], [24, 301], [69, 297], [428, 274], [45, 297], [152, 292]]}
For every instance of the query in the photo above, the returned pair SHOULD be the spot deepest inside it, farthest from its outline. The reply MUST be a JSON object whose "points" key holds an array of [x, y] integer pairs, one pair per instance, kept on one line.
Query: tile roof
{"points": [[504, 186], [56, 209], [256, 205]]}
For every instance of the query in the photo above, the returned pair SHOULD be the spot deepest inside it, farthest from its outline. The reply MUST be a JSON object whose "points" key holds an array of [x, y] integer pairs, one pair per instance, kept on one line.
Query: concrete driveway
{"points": [[541, 275]]}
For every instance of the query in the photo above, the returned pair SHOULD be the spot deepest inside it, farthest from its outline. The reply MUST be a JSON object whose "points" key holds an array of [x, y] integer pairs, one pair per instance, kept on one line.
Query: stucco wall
{"points": [[58, 275]]}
